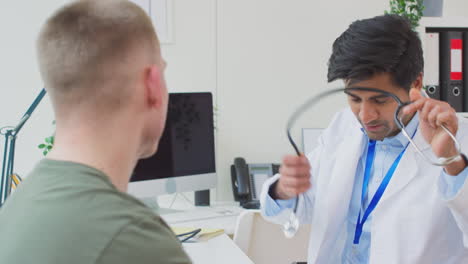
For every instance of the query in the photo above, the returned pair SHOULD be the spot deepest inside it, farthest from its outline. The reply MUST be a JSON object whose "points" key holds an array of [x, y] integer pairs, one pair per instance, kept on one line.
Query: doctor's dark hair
{"points": [[383, 44]]}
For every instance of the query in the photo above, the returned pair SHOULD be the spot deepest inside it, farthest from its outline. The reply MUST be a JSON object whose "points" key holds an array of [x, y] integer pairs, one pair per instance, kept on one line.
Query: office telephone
{"points": [[247, 181]]}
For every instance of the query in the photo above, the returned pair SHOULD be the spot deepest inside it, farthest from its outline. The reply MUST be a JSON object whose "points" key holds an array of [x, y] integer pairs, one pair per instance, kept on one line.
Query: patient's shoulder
{"points": [[147, 239]]}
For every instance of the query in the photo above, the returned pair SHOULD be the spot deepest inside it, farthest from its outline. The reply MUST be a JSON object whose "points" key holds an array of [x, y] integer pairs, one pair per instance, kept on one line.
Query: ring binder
{"points": [[431, 66], [451, 69]]}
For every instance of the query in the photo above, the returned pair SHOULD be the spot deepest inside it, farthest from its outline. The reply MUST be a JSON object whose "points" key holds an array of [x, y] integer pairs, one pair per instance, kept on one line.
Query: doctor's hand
{"points": [[432, 114], [295, 177]]}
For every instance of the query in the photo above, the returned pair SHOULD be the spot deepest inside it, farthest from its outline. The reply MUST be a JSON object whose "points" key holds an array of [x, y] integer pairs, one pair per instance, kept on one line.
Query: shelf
{"points": [[442, 22], [439, 24]]}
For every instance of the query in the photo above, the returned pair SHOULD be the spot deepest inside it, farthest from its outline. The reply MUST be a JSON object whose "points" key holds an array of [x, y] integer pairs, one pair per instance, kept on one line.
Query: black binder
{"points": [[465, 71], [451, 69]]}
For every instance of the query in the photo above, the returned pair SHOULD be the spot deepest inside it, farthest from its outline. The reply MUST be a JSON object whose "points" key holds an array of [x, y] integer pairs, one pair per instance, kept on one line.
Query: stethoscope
{"points": [[291, 226]]}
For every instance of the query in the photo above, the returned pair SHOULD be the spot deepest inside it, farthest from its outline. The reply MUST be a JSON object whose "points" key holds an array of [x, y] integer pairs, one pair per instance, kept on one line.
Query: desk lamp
{"points": [[10, 134]]}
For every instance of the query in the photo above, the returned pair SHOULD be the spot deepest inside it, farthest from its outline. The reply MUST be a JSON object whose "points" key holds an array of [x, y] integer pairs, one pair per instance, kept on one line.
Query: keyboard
{"points": [[202, 213]]}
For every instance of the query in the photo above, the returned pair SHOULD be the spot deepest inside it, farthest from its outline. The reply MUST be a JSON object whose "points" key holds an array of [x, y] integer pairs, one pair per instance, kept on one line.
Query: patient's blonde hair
{"points": [[88, 50]]}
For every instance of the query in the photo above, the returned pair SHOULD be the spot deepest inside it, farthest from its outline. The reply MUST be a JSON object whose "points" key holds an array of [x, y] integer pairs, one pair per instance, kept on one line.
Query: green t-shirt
{"points": [[67, 213]]}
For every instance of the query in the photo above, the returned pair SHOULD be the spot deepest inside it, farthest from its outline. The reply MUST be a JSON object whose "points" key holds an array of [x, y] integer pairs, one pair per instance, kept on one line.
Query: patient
{"points": [[101, 64]]}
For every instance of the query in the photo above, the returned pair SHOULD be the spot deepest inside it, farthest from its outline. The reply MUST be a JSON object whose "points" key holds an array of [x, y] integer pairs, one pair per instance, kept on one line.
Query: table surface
{"points": [[220, 249], [222, 215]]}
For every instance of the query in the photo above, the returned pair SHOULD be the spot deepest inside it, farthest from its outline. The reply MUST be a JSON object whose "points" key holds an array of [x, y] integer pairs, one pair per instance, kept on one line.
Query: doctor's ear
{"points": [[418, 82]]}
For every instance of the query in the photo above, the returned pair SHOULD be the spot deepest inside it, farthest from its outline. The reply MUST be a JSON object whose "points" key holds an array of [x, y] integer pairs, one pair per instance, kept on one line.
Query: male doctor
{"points": [[422, 214]]}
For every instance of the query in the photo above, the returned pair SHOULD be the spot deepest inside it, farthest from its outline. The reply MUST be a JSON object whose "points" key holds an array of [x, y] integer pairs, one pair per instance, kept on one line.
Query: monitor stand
{"points": [[152, 203], [202, 198]]}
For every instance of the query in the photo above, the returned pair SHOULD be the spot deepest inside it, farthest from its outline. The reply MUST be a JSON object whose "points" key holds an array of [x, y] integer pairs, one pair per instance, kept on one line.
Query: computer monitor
{"points": [[185, 159]]}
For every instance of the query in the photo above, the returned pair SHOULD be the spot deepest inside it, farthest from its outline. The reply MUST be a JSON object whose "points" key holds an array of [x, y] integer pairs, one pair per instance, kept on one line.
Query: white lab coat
{"points": [[411, 224]]}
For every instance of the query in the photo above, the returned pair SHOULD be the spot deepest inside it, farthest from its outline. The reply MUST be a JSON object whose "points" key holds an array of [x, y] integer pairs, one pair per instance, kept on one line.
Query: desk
{"points": [[222, 215], [220, 249], [217, 216]]}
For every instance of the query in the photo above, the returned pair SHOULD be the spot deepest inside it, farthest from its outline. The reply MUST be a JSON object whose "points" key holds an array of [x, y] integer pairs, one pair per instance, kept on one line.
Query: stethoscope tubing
{"points": [[443, 161]]}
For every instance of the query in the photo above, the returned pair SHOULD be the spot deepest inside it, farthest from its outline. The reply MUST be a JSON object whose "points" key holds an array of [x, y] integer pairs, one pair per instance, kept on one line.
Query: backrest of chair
{"points": [[264, 242]]}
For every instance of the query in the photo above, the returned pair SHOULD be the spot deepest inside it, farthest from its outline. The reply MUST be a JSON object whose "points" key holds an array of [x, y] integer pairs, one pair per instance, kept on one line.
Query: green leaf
{"points": [[411, 9], [44, 152], [41, 146], [50, 140], [49, 147]]}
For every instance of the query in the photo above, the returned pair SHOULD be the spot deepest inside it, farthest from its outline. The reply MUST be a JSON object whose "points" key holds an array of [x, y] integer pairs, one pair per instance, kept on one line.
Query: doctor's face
{"points": [[374, 110]]}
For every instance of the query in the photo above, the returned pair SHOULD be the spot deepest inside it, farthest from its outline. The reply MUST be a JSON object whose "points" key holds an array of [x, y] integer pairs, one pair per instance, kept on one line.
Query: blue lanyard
{"points": [[378, 194]]}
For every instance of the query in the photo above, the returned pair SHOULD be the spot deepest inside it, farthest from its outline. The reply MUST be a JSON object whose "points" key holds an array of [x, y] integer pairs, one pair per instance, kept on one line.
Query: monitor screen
{"points": [[185, 159]]}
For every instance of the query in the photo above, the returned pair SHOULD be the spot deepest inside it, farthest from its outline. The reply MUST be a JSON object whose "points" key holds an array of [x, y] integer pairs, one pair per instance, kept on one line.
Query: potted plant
{"points": [[48, 143], [411, 9]]}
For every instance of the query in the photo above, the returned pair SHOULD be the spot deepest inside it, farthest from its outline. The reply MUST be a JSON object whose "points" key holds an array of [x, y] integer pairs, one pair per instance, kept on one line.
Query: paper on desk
{"points": [[205, 233]]}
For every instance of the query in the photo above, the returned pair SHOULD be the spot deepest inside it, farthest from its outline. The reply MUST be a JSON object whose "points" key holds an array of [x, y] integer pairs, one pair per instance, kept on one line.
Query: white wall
{"points": [[455, 8], [20, 82], [273, 56], [260, 58], [191, 56]]}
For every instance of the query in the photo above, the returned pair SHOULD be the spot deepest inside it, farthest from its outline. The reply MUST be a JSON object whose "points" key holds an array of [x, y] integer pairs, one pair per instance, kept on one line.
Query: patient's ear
{"points": [[154, 86]]}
